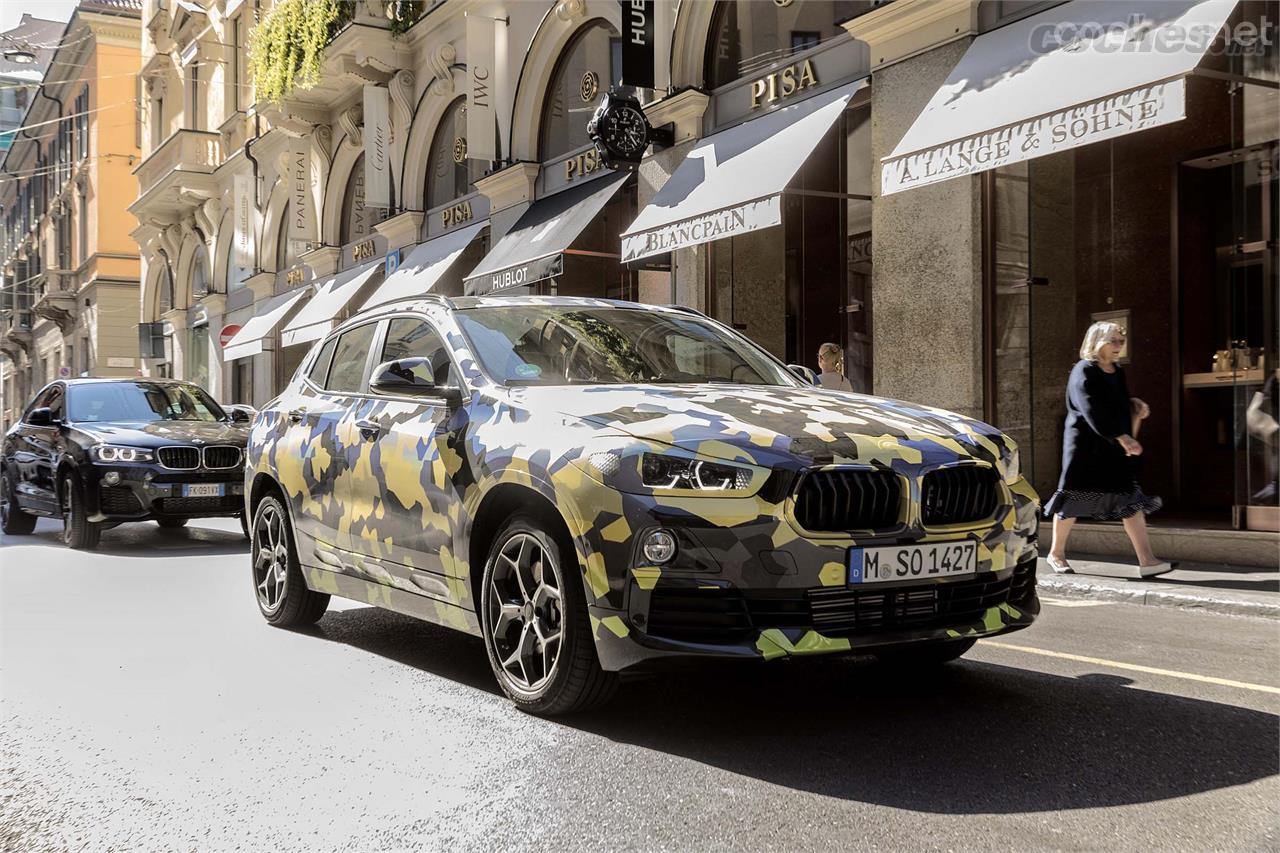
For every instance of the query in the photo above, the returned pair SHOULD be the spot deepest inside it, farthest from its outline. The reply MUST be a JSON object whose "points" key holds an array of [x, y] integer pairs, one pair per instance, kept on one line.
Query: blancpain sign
{"points": [[1117, 115], [751, 216]]}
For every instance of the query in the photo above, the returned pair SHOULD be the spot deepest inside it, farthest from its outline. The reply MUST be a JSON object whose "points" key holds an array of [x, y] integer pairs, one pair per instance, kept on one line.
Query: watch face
{"points": [[625, 131]]}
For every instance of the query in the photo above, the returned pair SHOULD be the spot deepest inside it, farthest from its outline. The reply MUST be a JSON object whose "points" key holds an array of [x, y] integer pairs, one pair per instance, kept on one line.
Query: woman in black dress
{"points": [[1098, 445]]}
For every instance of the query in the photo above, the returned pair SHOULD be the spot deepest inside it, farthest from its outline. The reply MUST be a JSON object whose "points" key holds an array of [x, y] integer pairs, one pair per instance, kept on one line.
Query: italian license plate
{"points": [[910, 562], [204, 490]]}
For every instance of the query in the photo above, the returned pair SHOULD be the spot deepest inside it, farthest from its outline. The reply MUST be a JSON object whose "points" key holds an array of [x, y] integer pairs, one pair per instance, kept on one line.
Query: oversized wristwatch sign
{"points": [[621, 132]]}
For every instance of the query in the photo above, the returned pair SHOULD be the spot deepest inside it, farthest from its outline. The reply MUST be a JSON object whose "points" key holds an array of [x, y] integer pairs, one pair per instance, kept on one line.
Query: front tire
{"points": [[172, 523], [925, 654], [283, 597], [534, 616], [13, 520], [78, 531]]}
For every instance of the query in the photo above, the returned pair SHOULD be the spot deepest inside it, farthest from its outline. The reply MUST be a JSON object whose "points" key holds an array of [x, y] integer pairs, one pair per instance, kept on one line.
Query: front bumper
{"points": [[149, 491], [747, 584]]}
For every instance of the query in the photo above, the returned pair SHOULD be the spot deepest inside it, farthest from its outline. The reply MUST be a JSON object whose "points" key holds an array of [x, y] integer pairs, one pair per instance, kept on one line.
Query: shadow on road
{"points": [[145, 539], [967, 738]]}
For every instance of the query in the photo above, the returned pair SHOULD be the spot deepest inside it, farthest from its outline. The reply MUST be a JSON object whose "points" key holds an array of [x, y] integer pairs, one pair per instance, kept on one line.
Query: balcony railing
{"points": [[185, 151]]}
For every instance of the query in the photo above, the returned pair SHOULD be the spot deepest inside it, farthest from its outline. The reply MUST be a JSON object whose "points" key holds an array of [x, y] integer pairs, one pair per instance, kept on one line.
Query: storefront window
{"points": [[591, 64], [748, 35], [450, 172], [1171, 233], [815, 270]]}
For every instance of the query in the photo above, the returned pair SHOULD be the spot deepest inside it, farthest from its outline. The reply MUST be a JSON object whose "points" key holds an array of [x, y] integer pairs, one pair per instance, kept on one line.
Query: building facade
{"points": [[70, 267], [952, 190]]}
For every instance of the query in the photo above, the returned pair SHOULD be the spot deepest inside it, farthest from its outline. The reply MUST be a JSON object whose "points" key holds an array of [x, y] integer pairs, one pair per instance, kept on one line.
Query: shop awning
{"points": [[250, 339], [534, 248], [424, 267], [316, 317], [732, 181], [1078, 73]]}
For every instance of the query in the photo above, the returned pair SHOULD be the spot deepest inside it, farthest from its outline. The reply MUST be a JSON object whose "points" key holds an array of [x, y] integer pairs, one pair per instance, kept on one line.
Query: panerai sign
{"points": [[1127, 112], [299, 181], [783, 83]]}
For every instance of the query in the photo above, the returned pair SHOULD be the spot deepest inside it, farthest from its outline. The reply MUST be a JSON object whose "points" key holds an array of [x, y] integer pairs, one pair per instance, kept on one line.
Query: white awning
{"points": [[424, 267], [732, 181], [1078, 73], [316, 317], [534, 248], [250, 340]]}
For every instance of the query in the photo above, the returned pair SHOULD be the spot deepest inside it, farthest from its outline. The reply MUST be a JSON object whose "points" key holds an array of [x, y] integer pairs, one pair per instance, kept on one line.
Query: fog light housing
{"points": [[111, 478], [659, 547]]}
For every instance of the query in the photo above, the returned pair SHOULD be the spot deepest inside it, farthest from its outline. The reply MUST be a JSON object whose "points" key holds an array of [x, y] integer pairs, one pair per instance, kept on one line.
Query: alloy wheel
{"points": [[526, 612], [4, 498], [68, 507], [270, 558]]}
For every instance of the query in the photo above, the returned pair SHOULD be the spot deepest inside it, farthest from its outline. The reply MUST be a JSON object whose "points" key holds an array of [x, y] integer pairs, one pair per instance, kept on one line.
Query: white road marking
{"points": [[1133, 667], [1063, 602]]}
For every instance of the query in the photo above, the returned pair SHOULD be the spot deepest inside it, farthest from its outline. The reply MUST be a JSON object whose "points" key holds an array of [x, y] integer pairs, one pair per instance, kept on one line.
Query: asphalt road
{"points": [[147, 706]]}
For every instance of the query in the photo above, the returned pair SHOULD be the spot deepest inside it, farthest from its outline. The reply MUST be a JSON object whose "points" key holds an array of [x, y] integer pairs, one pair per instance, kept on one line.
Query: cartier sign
{"points": [[782, 84], [1117, 115]]}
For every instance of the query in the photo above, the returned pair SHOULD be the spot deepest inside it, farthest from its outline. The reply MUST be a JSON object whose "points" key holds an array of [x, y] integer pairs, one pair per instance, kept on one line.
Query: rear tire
{"points": [[533, 614], [925, 654], [78, 531], [281, 591], [244, 525], [172, 523], [13, 520]]}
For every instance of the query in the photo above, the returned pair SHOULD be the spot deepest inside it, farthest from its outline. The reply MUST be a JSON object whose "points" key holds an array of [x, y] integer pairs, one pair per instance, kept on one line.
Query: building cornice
{"points": [[906, 28]]}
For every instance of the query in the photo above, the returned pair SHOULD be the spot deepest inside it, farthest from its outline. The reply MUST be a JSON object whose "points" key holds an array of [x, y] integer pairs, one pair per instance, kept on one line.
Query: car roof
{"points": [[428, 302], [100, 380]]}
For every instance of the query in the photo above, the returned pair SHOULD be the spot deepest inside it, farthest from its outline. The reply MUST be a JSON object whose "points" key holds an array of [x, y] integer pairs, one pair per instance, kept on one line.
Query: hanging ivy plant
{"points": [[288, 45]]}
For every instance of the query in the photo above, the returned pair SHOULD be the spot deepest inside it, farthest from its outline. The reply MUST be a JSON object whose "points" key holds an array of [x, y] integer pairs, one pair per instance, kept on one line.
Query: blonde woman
{"points": [[830, 374], [1098, 450]]}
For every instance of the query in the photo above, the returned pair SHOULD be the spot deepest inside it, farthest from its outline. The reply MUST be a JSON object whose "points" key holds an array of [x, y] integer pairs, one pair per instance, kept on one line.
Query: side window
{"points": [[41, 401], [409, 338], [57, 404], [320, 367], [349, 359]]}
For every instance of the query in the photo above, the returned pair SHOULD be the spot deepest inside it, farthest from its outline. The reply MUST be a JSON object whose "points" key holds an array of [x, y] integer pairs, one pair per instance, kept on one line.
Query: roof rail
{"points": [[421, 297], [686, 309]]}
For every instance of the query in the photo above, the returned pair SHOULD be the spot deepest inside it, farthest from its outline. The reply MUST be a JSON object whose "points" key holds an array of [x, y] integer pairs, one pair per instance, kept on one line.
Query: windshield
{"points": [[571, 344], [141, 401]]}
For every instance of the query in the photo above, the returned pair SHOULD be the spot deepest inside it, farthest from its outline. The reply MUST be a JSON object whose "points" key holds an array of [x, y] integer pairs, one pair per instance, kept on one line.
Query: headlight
{"points": [[673, 472], [117, 453]]}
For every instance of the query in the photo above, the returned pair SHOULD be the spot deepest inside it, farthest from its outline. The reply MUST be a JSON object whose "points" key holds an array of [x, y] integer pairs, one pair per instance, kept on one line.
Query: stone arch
{"points": [[344, 160], [554, 34], [152, 302], [184, 270], [430, 110], [689, 43], [268, 238]]}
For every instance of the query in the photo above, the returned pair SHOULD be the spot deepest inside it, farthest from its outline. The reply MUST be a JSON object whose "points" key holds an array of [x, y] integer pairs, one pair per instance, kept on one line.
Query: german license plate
{"points": [[910, 562], [204, 490]]}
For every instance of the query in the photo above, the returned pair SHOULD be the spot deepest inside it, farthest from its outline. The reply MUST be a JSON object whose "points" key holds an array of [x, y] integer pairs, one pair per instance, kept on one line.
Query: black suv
{"points": [[98, 452]]}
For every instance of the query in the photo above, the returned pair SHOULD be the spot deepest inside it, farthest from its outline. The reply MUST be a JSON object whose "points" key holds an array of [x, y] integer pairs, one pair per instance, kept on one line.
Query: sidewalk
{"points": [[1214, 588]]}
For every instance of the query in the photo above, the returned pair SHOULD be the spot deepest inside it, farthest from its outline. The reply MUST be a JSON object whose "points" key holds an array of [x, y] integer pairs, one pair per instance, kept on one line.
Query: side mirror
{"points": [[239, 414], [804, 373], [412, 377], [42, 416]]}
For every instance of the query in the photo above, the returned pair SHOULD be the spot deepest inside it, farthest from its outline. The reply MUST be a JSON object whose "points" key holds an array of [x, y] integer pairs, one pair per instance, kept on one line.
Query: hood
{"points": [[773, 425], [160, 433]]}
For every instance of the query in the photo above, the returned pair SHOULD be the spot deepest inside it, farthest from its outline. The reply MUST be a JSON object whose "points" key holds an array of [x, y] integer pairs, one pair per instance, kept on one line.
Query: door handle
{"points": [[369, 430], [295, 416]]}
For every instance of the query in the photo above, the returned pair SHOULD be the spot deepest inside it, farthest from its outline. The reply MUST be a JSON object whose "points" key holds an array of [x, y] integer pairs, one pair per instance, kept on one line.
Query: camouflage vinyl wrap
{"points": [[389, 520]]}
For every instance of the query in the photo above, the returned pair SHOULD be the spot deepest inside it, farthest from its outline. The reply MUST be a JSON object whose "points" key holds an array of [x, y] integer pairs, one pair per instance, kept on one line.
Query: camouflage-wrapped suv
{"points": [[594, 487]]}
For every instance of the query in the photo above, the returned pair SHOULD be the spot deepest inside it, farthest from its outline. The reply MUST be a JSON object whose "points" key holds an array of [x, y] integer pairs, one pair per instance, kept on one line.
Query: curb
{"points": [[1264, 605]]}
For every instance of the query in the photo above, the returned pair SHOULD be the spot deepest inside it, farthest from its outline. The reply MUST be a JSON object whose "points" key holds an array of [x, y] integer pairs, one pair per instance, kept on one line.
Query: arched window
{"points": [[164, 286], [285, 254], [450, 173], [200, 273], [357, 220], [590, 65], [747, 36]]}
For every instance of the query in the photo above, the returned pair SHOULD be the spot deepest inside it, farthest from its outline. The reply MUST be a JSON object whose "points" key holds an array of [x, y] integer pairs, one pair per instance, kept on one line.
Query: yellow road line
{"points": [[1150, 670]]}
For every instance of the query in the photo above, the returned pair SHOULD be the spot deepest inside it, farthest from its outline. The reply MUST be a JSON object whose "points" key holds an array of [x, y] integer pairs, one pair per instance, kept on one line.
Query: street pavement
{"points": [[147, 706]]}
